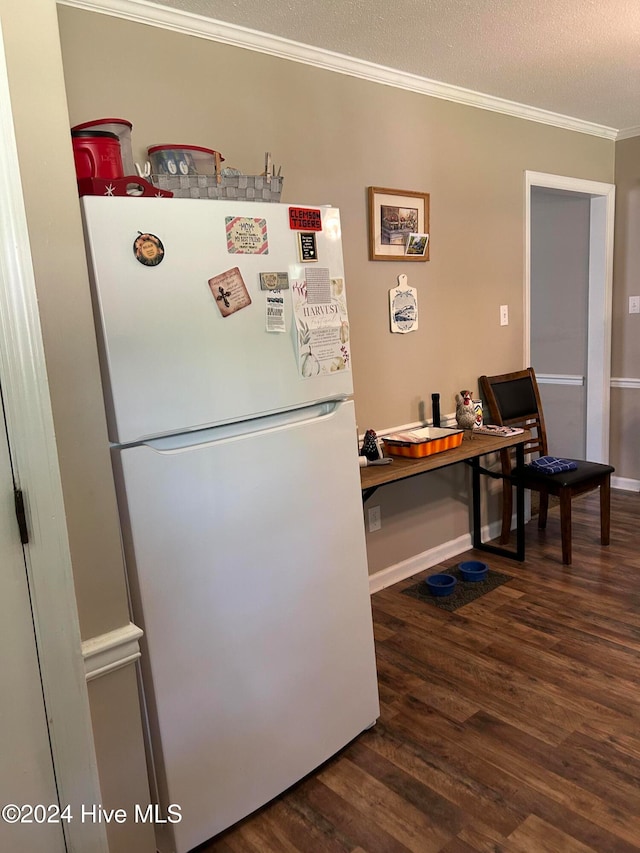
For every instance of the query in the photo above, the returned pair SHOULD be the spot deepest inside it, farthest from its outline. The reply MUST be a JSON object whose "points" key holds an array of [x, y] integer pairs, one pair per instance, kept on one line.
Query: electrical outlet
{"points": [[634, 305], [375, 520], [504, 315]]}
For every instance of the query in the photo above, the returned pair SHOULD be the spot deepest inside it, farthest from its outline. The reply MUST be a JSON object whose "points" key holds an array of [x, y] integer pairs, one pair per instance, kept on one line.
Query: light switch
{"points": [[634, 305], [504, 315]]}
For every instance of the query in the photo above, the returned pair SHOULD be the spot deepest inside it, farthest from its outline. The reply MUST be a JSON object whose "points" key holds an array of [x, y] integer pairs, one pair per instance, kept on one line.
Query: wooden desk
{"points": [[473, 447]]}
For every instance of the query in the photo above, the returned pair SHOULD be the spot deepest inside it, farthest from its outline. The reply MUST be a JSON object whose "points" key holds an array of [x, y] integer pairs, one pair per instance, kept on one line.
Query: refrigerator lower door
{"points": [[247, 568]]}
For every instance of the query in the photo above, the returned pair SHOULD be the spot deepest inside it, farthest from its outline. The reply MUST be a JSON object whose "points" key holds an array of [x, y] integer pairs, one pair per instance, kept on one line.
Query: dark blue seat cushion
{"points": [[584, 471]]}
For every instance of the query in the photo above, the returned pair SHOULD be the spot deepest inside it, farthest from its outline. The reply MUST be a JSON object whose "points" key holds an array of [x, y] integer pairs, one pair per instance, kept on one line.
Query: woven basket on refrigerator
{"points": [[242, 187]]}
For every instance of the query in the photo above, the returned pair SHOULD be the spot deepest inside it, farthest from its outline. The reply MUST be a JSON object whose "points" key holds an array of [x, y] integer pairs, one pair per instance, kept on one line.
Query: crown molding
{"points": [[187, 23], [628, 133]]}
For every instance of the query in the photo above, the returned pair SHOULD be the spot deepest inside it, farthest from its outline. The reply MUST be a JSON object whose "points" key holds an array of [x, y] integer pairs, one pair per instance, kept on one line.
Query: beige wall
{"points": [[119, 743], [41, 121], [335, 136], [48, 180], [625, 402]]}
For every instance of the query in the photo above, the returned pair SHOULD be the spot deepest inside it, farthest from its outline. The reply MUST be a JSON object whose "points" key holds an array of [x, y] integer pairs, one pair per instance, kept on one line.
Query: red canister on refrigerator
{"points": [[122, 128], [97, 154]]}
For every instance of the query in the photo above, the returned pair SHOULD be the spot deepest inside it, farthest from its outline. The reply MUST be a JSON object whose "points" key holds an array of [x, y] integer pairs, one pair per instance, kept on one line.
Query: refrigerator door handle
{"points": [[244, 429]]}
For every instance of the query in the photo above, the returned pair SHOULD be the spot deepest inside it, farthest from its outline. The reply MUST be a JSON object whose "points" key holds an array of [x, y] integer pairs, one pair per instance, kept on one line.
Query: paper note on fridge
{"points": [[275, 312], [322, 327]]}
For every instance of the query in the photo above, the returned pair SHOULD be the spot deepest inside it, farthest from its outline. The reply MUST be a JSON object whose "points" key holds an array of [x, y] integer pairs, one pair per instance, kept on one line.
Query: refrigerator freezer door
{"points": [[247, 567], [170, 361]]}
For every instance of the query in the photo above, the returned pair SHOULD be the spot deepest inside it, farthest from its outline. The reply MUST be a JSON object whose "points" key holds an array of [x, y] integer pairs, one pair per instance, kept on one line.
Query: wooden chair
{"points": [[513, 399]]}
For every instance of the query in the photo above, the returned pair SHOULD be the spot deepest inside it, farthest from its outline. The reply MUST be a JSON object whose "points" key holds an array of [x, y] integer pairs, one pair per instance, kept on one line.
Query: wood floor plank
{"points": [[542, 709], [550, 668], [481, 838], [535, 834], [452, 780], [457, 845], [607, 772], [627, 744], [539, 766], [399, 818], [304, 827], [512, 776], [447, 702], [272, 833], [363, 833], [605, 655], [617, 626]]}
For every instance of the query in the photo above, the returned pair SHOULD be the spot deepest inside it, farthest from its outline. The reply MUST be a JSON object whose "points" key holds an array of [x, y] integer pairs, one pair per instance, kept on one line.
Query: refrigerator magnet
{"points": [[274, 281], [148, 249], [305, 219], [246, 236], [229, 292], [307, 249]]}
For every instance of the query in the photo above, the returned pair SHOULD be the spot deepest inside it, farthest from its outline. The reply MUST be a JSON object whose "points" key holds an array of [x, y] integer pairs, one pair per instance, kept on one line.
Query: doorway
{"points": [[569, 265]]}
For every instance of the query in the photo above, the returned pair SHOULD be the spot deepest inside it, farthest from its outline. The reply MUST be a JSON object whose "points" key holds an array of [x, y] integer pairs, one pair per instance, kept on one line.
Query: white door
{"points": [[26, 769]]}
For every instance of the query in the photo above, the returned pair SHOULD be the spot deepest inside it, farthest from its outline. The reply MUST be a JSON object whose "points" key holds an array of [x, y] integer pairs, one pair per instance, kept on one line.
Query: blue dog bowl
{"points": [[441, 584], [473, 570]]}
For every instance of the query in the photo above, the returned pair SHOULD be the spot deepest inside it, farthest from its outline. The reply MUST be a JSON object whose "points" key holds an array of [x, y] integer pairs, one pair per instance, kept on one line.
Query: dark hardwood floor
{"points": [[511, 724]]}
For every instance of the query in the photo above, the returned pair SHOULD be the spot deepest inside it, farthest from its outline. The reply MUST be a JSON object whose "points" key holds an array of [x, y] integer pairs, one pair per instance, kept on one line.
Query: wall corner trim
{"points": [[108, 652], [140, 11]]}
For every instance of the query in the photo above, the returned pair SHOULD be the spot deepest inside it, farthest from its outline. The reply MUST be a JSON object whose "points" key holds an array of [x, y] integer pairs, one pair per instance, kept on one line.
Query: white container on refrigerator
{"points": [[244, 541]]}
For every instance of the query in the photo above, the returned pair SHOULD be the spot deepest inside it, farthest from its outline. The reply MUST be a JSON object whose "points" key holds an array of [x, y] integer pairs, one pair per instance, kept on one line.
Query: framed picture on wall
{"points": [[398, 225]]}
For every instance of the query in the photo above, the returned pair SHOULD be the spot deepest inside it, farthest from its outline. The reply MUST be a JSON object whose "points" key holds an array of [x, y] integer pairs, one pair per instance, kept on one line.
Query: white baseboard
{"points": [[626, 484], [420, 562], [427, 559]]}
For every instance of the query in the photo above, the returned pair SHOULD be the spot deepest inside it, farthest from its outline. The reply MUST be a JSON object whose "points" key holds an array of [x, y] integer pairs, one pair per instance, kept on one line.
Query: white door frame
{"points": [[34, 454], [600, 298]]}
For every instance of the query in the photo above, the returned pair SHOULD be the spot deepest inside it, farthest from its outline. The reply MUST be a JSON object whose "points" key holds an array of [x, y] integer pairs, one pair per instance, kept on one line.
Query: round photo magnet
{"points": [[148, 249]]}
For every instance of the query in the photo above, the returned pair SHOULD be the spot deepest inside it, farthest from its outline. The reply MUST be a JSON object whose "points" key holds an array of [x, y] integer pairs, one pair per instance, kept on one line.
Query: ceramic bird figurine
{"points": [[465, 415]]}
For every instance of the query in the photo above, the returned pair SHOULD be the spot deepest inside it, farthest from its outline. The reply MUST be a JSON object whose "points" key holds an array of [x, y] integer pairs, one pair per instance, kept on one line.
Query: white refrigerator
{"points": [[234, 449]]}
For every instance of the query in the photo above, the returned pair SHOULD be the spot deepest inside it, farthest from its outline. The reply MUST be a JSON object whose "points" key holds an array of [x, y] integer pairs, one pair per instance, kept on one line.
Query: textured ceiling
{"points": [[578, 58]]}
